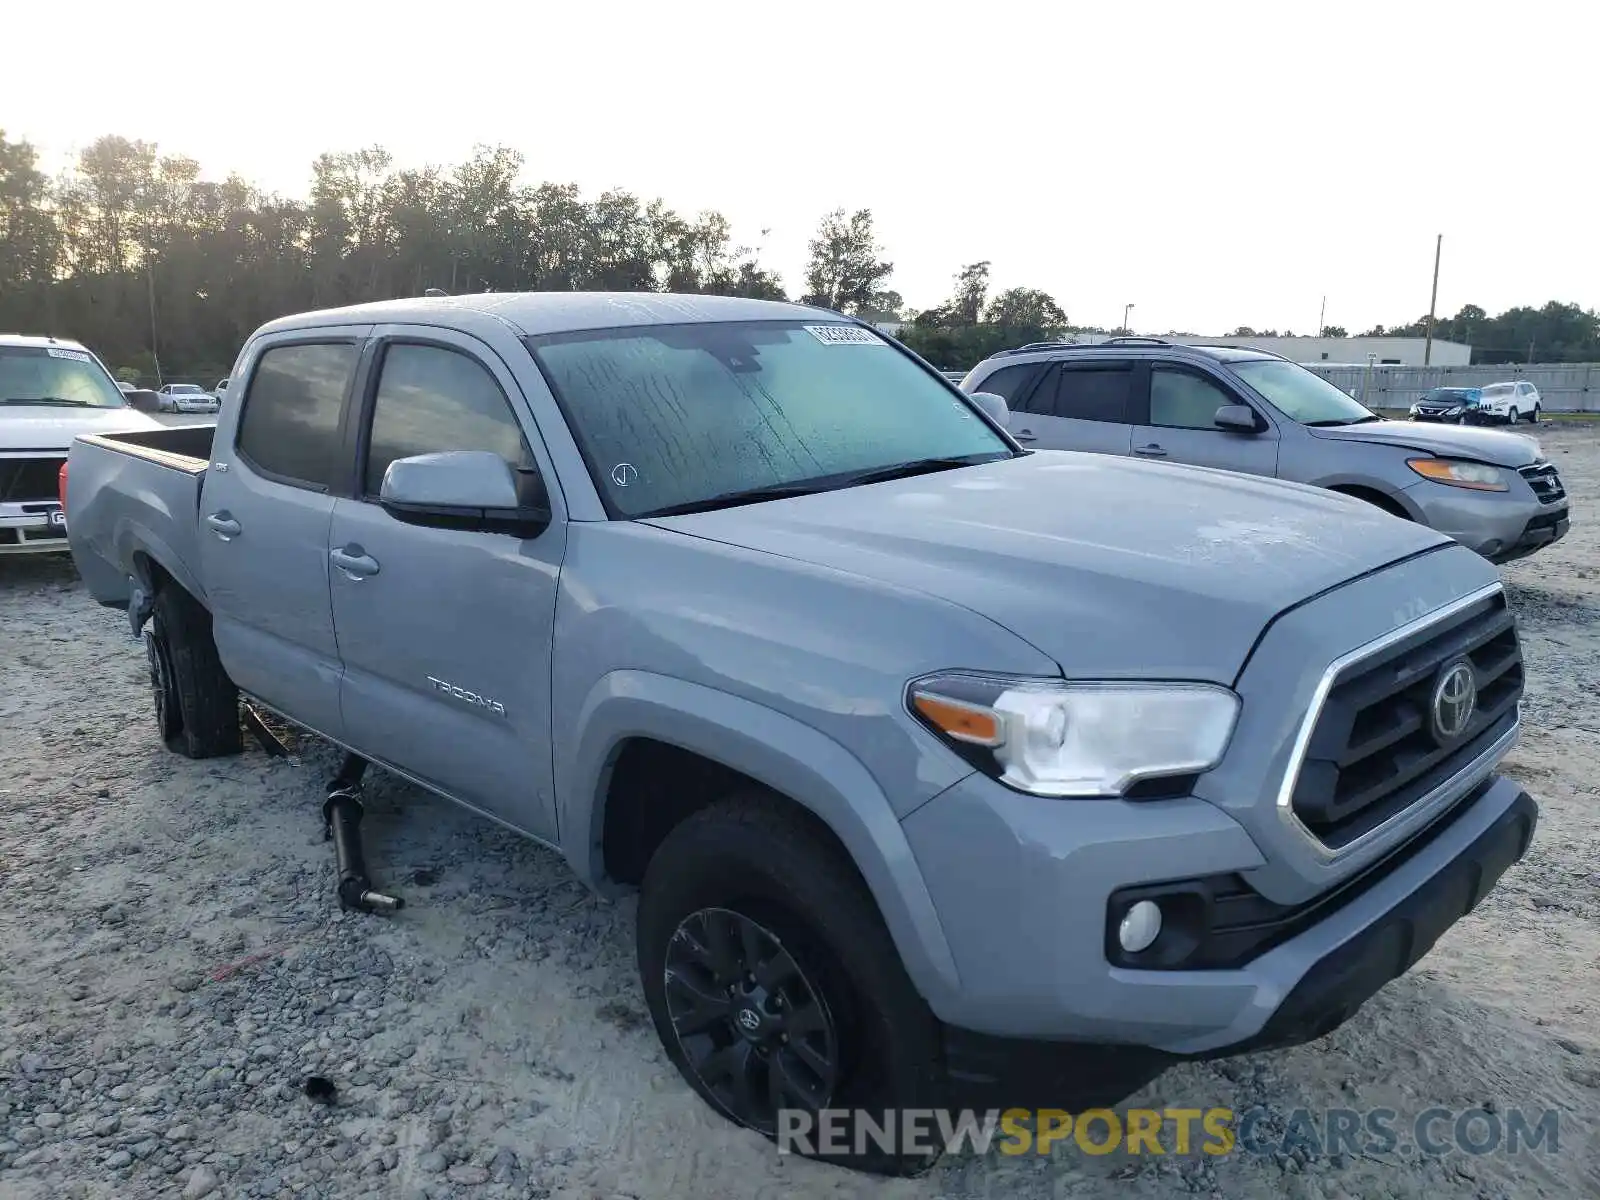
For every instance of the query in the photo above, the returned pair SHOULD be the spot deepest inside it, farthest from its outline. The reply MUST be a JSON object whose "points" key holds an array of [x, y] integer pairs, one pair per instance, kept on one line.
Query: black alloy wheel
{"points": [[754, 1029], [168, 714]]}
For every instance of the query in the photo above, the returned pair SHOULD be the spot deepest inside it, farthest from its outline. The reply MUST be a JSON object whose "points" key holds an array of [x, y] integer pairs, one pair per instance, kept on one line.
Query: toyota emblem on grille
{"points": [[1455, 698]]}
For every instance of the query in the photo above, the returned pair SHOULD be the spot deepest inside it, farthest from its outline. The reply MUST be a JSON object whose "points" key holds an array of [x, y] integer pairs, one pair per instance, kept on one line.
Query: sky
{"points": [[1212, 164]]}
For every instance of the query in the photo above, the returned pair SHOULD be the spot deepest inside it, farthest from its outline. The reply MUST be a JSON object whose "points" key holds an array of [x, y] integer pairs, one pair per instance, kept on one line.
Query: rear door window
{"points": [[1094, 393], [289, 426]]}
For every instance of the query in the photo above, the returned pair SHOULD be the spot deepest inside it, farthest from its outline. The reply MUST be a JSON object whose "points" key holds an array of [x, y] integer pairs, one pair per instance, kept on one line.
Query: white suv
{"points": [[1509, 402]]}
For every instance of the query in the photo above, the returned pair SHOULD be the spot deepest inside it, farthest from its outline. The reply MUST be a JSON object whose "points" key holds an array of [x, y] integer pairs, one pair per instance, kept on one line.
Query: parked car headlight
{"points": [[1063, 738], [1459, 473]]}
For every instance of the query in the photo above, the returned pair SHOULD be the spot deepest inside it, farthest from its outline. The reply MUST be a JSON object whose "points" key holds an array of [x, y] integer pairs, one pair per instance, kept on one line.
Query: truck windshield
{"points": [[55, 377], [1303, 395], [681, 418]]}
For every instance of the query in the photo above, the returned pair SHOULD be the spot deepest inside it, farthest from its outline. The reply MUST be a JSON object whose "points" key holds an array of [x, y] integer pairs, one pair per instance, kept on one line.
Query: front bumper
{"points": [[1029, 943], [32, 527], [1455, 416], [1501, 526], [1400, 919]]}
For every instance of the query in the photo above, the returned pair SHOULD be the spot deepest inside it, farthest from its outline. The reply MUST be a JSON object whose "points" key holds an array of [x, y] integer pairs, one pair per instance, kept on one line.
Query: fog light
{"points": [[1140, 927]]}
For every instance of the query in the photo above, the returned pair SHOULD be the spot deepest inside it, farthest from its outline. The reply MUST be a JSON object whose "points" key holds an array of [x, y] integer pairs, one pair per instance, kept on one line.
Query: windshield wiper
{"points": [[823, 483], [778, 491], [48, 401], [919, 466], [1339, 423]]}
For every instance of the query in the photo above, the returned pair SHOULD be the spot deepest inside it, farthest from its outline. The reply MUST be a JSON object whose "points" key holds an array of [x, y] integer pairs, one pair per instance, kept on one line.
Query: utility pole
{"points": [[1126, 309], [1322, 317], [150, 279], [1427, 346]]}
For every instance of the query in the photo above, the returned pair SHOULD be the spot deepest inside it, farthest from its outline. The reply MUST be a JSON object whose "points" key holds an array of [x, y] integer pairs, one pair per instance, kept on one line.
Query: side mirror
{"points": [[997, 408], [1236, 418], [473, 490]]}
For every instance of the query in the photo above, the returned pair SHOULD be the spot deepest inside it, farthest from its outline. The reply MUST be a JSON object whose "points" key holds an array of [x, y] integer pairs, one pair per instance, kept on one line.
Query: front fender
{"points": [[1372, 483], [791, 758]]}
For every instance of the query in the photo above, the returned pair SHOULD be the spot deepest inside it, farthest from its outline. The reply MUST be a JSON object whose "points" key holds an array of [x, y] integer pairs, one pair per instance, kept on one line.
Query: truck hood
{"points": [[43, 427], [1501, 448], [1113, 567]]}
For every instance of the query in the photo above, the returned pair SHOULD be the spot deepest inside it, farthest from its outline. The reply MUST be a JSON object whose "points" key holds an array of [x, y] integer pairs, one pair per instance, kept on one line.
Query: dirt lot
{"points": [[172, 966]]}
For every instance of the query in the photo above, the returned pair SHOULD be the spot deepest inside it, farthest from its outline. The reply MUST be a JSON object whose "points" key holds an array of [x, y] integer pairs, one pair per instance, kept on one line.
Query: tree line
{"points": [[1553, 333], [165, 274]]}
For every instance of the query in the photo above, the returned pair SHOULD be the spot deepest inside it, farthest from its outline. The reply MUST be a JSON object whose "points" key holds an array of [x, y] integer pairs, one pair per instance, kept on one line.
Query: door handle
{"points": [[224, 526], [1150, 451], [355, 566], [1025, 435]]}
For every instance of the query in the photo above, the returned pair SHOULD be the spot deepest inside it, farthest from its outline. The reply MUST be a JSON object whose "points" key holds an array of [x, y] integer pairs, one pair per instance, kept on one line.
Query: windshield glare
{"points": [[1302, 395], [55, 376], [668, 415]]}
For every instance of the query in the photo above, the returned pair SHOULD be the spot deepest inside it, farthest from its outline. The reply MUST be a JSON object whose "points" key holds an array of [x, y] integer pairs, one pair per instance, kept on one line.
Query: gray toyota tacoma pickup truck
{"points": [[943, 768]]}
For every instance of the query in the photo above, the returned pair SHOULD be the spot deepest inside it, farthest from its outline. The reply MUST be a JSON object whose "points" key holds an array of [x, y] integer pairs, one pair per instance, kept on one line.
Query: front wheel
{"points": [[775, 987], [1533, 417]]}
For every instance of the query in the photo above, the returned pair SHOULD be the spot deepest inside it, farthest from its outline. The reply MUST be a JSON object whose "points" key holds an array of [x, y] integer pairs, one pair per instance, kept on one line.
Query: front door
{"points": [[265, 506], [446, 634], [1181, 425]]}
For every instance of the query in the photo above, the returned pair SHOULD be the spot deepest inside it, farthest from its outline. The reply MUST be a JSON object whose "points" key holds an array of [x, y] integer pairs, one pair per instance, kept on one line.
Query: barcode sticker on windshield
{"points": [[75, 355], [844, 335]]}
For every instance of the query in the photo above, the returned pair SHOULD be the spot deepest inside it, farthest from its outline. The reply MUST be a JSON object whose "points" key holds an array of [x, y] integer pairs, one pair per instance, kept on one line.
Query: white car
{"points": [[51, 390], [1509, 402], [220, 391], [187, 398]]}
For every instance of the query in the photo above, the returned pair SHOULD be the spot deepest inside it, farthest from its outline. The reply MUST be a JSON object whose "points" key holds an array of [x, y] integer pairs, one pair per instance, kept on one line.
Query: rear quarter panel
{"points": [[130, 506]]}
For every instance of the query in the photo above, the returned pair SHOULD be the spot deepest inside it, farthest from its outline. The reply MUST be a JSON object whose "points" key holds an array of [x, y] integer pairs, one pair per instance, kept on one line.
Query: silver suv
{"points": [[1240, 409]]}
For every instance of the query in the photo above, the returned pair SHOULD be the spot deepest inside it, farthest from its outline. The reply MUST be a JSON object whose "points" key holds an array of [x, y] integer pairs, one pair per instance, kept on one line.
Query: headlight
{"points": [[1458, 473], [1057, 738]]}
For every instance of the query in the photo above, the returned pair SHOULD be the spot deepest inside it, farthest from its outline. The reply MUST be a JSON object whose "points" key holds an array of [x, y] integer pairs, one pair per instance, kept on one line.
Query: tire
{"points": [[1462, 419], [197, 705], [750, 862], [1533, 417]]}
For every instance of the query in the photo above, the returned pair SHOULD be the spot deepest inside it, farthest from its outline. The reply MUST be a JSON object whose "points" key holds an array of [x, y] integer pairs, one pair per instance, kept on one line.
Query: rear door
{"points": [[446, 634], [1179, 424], [265, 508], [1080, 406]]}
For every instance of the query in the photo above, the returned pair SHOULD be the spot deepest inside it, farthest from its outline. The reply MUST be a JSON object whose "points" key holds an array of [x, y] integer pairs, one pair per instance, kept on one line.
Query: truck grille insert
{"points": [[28, 478], [1375, 749], [1544, 481]]}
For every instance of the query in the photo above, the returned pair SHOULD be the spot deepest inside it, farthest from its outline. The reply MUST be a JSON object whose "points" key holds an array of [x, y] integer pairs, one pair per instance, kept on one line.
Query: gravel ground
{"points": [[175, 966]]}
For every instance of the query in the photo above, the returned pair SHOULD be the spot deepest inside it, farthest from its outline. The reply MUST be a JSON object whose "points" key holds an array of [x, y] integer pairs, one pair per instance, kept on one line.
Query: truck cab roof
{"points": [[536, 313]]}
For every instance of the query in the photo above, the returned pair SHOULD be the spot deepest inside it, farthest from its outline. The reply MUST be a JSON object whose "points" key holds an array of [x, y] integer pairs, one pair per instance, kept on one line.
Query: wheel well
{"points": [[157, 575], [1374, 497], [655, 785]]}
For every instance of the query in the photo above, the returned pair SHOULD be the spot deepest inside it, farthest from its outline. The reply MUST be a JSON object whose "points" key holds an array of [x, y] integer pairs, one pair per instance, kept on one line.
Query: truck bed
{"points": [[133, 499]]}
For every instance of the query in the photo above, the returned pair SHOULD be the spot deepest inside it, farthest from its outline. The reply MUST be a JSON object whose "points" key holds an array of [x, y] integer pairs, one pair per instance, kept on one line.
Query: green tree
{"points": [[845, 272], [1027, 309]]}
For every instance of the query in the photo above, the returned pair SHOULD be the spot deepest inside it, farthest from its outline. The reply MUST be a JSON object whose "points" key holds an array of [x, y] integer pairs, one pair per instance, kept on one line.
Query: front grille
{"points": [[28, 478], [1544, 481], [1372, 752]]}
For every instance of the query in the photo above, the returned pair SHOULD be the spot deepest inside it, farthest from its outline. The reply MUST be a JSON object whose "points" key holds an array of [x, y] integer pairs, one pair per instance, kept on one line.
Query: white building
{"points": [[1386, 351], [1347, 351]]}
